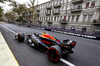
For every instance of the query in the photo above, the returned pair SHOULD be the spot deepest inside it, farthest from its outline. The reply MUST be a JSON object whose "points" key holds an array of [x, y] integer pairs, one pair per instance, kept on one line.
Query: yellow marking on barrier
{"points": [[2, 22]]}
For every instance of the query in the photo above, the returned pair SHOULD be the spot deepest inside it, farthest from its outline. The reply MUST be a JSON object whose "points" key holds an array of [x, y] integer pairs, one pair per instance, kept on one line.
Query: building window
{"points": [[55, 19], [65, 1], [66, 8], [64, 18], [61, 9], [60, 17], [73, 18], [40, 18], [84, 29], [72, 28], [80, 6], [93, 3], [51, 18], [77, 17], [63, 26], [49, 25], [61, 1], [68, 18], [46, 18], [90, 17], [87, 4], [84, 18]]}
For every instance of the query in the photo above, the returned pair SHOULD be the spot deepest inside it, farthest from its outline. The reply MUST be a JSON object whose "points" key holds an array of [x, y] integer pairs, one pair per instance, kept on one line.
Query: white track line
{"points": [[61, 59], [9, 30], [66, 62]]}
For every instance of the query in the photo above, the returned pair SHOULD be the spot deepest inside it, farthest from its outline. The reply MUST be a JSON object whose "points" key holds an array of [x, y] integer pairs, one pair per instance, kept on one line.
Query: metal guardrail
{"points": [[63, 30]]}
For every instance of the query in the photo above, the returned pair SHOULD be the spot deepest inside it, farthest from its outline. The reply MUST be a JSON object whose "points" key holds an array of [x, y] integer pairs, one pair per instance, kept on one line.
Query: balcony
{"points": [[57, 5], [63, 21], [98, 7], [38, 14], [47, 13], [96, 22], [38, 10], [50, 22], [48, 7], [56, 12], [39, 21], [77, 1], [76, 9]]}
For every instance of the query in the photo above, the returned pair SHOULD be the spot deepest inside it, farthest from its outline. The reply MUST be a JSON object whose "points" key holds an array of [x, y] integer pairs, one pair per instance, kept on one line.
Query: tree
{"points": [[11, 16], [15, 6], [1, 10], [2, 1], [1, 13], [19, 9], [32, 8]]}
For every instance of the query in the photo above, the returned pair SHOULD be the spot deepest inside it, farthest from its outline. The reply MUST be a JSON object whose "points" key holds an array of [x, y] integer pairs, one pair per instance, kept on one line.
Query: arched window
{"points": [[72, 28], [93, 3], [84, 29], [87, 4]]}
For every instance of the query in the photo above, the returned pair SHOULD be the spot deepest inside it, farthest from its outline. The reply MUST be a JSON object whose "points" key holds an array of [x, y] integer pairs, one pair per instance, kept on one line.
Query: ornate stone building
{"points": [[82, 15]]}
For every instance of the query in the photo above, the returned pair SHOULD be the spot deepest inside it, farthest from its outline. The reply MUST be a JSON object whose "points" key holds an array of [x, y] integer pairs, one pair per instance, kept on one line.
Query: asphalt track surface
{"points": [[87, 51]]}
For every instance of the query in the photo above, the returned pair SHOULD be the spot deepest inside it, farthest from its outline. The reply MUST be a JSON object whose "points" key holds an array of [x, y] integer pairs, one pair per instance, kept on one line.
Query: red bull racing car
{"points": [[54, 48]]}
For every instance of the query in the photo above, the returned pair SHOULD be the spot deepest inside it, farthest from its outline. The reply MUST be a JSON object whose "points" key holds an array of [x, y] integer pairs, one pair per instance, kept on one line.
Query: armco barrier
{"points": [[67, 31]]}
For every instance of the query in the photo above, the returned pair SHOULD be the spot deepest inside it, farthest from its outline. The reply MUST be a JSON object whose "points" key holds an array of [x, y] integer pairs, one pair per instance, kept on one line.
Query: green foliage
{"points": [[18, 8], [2, 1], [20, 19], [11, 16], [33, 9], [1, 13]]}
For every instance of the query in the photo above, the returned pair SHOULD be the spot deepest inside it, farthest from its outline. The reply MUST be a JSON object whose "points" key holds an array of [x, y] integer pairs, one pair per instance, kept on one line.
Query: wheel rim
{"points": [[53, 54]]}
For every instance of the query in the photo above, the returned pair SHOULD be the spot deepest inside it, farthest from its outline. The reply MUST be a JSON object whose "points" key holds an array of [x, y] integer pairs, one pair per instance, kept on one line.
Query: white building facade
{"points": [[82, 15]]}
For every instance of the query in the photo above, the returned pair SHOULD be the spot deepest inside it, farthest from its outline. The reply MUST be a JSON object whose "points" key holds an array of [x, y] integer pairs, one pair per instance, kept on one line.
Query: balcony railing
{"points": [[56, 12], [39, 21], [63, 21], [98, 7], [47, 13], [38, 10], [96, 22], [79, 8], [48, 7], [49, 21], [57, 5], [76, 1], [38, 14]]}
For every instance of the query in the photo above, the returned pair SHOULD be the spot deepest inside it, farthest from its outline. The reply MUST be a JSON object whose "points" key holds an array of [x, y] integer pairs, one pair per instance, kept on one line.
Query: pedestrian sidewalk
{"points": [[6, 56]]}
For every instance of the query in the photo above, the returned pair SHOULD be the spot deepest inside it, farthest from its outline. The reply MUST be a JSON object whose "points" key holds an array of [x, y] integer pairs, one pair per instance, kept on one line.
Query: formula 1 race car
{"points": [[49, 44]]}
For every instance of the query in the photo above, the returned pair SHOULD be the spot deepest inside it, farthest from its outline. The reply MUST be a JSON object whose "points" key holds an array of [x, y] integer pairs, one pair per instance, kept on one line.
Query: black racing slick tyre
{"points": [[54, 53], [20, 37]]}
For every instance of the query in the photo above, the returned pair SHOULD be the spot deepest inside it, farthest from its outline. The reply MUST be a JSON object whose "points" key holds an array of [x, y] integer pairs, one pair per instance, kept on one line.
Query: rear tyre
{"points": [[20, 37], [54, 53]]}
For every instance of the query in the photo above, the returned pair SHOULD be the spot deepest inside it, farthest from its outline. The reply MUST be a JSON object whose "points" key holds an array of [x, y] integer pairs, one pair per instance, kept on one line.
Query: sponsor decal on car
{"points": [[46, 42]]}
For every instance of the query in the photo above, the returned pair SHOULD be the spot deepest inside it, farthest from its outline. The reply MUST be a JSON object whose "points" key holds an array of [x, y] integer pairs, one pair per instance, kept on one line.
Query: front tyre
{"points": [[20, 37], [54, 53]]}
